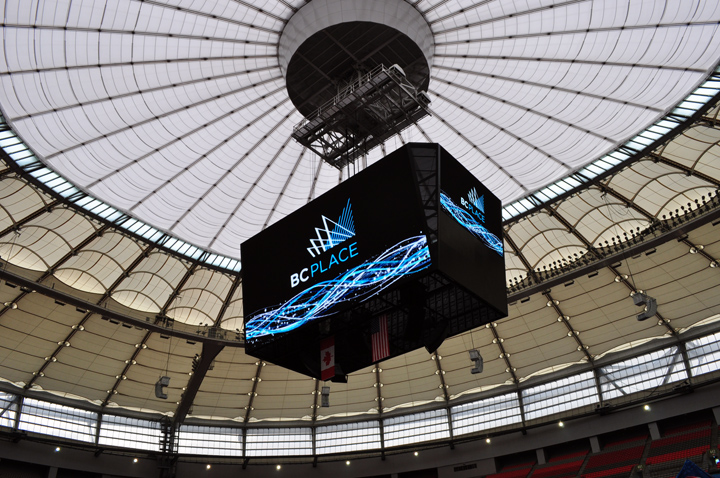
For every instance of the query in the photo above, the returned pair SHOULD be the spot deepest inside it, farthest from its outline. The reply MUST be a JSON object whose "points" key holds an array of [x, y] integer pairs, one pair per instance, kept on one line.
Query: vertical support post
{"points": [[716, 414], [450, 428], [686, 360], [16, 424], [382, 439], [598, 386], [522, 409], [244, 442], [540, 454], [654, 430], [97, 428]]}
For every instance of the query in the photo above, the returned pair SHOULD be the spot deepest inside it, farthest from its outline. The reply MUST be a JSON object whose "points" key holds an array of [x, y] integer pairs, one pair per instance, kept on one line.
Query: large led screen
{"points": [[402, 255], [350, 244]]}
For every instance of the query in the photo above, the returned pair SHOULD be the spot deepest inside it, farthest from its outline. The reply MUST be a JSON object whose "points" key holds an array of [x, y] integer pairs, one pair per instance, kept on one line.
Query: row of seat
{"points": [[614, 458], [619, 458]]}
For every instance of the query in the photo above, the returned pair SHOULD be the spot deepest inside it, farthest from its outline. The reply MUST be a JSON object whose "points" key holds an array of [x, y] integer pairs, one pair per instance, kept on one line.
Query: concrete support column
{"points": [[52, 472], [716, 414], [540, 453], [654, 430], [595, 444]]}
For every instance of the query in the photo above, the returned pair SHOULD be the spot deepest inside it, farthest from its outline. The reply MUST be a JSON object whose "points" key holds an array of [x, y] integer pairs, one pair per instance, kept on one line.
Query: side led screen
{"points": [[470, 233], [344, 247]]}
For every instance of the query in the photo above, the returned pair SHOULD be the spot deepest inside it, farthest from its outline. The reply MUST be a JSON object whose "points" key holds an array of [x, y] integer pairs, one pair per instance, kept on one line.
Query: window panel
{"points": [[58, 420], [347, 437], [8, 409], [645, 372], [278, 441], [418, 427], [704, 354], [560, 396], [130, 433], [494, 412], [217, 441]]}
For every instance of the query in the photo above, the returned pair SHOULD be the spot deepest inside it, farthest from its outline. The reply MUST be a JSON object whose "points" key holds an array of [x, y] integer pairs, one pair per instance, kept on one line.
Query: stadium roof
{"points": [[145, 140]]}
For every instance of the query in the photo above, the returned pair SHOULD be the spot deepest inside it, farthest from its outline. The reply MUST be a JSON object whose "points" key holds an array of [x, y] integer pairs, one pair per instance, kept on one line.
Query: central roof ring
{"points": [[328, 43]]}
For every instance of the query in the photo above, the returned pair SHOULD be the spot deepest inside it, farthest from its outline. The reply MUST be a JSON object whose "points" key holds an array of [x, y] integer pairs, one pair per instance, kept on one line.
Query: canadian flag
{"points": [[327, 358]]}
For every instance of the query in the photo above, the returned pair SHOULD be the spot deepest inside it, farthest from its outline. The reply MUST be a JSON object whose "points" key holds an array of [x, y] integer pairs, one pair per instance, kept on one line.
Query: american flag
{"points": [[380, 344]]}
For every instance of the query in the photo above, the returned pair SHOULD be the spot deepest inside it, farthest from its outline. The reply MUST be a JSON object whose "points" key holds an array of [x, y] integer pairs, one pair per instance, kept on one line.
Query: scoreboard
{"points": [[413, 240]]}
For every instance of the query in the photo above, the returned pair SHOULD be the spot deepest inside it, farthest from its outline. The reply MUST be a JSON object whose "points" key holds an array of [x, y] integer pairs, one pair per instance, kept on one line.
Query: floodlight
{"points": [[160, 385], [477, 358], [640, 298]]}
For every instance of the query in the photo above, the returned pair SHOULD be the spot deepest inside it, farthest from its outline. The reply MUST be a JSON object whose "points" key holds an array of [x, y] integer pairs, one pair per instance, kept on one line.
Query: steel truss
{"points": [[362, 115]]}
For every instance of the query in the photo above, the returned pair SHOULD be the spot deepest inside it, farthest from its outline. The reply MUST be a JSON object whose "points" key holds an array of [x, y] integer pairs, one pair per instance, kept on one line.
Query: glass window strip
{"points": [[560, 396], [347, 437], [691, 105], [210, 440], [128, 432], [22, 158], [704, 354], [8, 409], [295, 441], [15, 148], [486, 414], [58, 420], [638, 374], [683, 111], [415, 428]]}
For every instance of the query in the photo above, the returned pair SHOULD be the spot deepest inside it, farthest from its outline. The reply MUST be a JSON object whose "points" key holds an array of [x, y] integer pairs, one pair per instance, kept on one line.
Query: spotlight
{"points": [[416, 453], [325, 397], [207, 467], [278, 467], [135, 460], [561, 424], [640, 298], [57, 448], [477, 359], [487, 440], [647, 407], [347, 462]]}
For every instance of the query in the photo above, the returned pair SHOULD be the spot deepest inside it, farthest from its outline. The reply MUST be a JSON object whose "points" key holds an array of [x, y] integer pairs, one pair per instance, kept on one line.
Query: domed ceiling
{"points": [[178, 112]]}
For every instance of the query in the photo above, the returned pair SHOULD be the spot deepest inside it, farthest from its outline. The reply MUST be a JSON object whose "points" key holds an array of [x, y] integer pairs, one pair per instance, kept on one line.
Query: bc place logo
{"points": [[474, 204], [472, 210], [331, 234]]}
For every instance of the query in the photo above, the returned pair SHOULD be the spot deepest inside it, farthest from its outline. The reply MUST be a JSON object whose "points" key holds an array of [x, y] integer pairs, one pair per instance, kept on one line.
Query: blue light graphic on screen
{"points": [[359, 283], [333, 232], [467, 221]]}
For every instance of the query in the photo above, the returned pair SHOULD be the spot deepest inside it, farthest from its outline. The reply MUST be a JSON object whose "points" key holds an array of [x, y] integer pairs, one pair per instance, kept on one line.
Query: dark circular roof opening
{"points": [[335, 56]]}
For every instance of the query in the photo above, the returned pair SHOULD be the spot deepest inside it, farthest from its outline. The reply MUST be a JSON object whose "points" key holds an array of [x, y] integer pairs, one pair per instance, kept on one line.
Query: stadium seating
{"points": [[513, 472], [561, 470], [615, 458], [668, 454]]}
